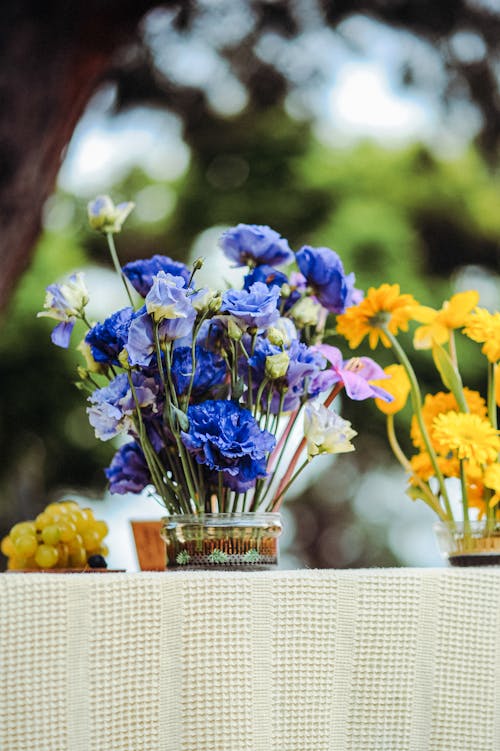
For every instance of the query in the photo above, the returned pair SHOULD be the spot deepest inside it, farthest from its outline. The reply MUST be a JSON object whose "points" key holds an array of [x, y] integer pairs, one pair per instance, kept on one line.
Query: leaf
{"points": [[450, 375], [179, 416]]}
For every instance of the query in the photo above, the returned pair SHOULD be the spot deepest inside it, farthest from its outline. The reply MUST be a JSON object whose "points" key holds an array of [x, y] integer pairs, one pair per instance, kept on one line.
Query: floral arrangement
{"points": [[207, 385], [455, 432]]}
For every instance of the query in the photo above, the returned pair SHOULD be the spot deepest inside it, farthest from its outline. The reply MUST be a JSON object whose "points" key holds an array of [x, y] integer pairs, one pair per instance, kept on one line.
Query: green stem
{"points": [[118, 268], [492, 404], [465, 498], [417, 410], [429, 498]]}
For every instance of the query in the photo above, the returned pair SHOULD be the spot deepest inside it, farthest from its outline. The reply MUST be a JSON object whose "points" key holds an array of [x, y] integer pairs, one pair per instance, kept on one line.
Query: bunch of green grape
{"points": [[63, 536]]}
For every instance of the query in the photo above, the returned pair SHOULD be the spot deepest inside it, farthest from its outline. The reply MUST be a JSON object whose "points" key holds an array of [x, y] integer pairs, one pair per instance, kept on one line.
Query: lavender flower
{"points": [[104, 216], [266, 274], [140, 273], [65, 303], [113, 406], [167, 300], [255, 307], [355, 374], [255, 244]]}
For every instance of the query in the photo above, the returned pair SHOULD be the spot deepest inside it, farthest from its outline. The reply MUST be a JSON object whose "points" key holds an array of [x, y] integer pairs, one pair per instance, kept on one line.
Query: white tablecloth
{"points": [[370, 660]]}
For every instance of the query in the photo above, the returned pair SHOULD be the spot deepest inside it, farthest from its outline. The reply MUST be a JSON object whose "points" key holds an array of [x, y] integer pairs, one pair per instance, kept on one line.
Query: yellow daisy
{"points": [[382, 307], [398, 386], [483, 326], [440, 323], [470, 436], [441, 403], [497, 385]]}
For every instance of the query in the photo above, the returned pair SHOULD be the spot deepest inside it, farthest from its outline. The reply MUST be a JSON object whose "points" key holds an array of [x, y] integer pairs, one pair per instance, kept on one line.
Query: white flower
{"points": [[326, 431], [66, 301], [306, 312]]}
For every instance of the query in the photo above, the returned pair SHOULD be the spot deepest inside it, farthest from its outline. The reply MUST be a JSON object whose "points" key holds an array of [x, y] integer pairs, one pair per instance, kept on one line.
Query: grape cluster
{"points": [[63, 536]]}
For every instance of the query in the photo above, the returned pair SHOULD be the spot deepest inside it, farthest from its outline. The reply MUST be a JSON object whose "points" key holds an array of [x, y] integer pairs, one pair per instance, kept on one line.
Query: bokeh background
{"points": [[370, 127]]}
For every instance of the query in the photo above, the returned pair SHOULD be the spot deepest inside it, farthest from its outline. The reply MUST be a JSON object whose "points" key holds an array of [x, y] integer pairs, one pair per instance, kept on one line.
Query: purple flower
{"points": [[355, 374], [128, 471], [107, 339], [114, 405], [255, 244], [140, 273], [268, 275], [210, 370], [256, 306], [226, 438], [324, 272]]}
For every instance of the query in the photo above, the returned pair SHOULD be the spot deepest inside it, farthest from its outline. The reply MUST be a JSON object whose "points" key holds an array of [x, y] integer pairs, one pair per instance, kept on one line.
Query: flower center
{"points": [[355, 364], [380, 318]]}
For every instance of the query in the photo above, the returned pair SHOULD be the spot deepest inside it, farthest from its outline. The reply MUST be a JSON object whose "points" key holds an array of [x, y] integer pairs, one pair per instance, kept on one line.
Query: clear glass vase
{"points": [[226, 541], [474, 544]]}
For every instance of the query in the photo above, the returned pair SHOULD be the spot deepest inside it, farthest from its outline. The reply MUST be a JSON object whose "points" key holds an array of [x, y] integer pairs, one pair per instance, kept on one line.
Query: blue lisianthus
{"points": [[107, 339], [113, 406], [210, 370], [140, 273], [168, 300], [141, 345], [304, 365], [255, 244], [324, 272], [128, 471], [212, 334], [226, 438], [256, 306], [65, 303], [266, 274]]}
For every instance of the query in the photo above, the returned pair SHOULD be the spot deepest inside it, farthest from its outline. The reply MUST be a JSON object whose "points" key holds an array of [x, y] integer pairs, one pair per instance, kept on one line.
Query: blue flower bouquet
{"points": [[206, 385]]}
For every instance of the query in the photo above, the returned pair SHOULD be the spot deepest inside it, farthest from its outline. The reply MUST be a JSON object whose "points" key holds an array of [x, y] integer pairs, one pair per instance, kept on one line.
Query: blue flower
{"points": [[107, 339], [324, 272], [128, 471], [141, 345], [65, 303], [226, 438], [167, 300], [255, 244], [303, 368], [266, 274], [113, 406], [210, 370], [140, 273], [256, 306]]}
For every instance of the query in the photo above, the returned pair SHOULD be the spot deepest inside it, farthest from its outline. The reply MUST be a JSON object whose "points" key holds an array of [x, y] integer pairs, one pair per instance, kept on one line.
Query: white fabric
{"points": [[369, 660]]}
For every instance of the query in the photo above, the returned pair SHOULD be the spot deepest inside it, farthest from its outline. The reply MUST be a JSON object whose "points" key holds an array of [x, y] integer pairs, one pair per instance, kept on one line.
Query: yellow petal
{"points": [[455, 312]]}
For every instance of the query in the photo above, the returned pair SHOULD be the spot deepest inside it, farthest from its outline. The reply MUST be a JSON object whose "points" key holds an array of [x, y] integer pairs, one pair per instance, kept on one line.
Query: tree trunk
{"points": [[52, 57]]}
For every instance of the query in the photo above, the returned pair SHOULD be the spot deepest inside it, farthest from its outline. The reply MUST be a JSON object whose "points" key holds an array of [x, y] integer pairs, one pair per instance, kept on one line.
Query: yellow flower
{"points": [[492, 481], [382, 307], [483, 326], [497, 385], [398, 386], [441, 403], [471, 437], [422, 466], [439, 323]]}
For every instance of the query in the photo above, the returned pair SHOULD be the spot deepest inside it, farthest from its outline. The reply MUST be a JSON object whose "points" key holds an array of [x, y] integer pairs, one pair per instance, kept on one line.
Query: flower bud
{"points": [[306, 312], [275, 336], [233, 330], [123, 359], [105, 217], [277, 365], [90, 364]]}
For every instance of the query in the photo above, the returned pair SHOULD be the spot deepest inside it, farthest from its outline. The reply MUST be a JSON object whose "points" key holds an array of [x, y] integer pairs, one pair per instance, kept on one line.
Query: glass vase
{"points": [[225, 541], [474, 544]]}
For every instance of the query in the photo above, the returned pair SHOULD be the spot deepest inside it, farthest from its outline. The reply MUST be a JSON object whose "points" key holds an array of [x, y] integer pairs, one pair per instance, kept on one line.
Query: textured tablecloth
{"points": [[369, 660]]}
